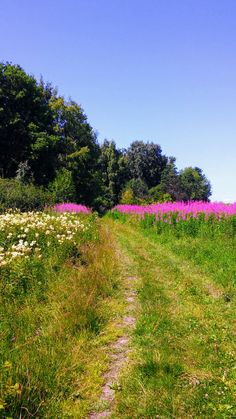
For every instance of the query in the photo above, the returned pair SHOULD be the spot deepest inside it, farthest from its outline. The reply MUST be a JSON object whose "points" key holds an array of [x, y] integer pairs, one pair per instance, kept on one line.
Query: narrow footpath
{"points": [[119, 352]]}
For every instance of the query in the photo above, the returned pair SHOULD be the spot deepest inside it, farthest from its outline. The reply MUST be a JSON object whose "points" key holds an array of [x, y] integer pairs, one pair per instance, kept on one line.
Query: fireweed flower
{"points": [[183, 210], [71, 207]]}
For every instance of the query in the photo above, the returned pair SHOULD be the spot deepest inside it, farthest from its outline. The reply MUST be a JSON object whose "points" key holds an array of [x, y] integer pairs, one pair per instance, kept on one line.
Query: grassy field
{"points": [[65, 283], [58, 297], [183, 364]]}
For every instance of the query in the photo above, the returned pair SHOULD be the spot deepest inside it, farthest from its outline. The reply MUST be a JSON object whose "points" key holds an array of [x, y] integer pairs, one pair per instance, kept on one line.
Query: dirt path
{"points": [[119, 351]]}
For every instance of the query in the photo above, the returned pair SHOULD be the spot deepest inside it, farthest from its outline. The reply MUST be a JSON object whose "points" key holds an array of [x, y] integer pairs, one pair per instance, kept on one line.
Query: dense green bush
{"points": [[156, 194], [16, 195], [63, 187]]}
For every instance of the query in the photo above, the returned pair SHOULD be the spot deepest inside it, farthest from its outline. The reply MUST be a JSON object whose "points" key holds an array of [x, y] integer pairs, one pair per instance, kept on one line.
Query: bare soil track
{"points": [[119, 351]]}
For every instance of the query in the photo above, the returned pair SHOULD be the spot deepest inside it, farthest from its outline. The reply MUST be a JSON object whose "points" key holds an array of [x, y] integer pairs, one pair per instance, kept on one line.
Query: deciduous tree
{"points": [[146, 162], [194, 184]]}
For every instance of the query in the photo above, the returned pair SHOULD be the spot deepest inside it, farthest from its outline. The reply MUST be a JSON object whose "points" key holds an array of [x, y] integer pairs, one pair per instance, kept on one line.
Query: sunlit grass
{"points": [[55, 316], [184, 347]]}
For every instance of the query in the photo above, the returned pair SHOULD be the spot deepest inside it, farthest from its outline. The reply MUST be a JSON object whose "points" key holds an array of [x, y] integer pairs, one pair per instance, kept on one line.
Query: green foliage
{"points": [[138, 187], [24, 174], [42, 134], [51, 321], [146, 162], [156, 194], [43, 157], [62, 187], [80, 149], [170, 181], [26, 124], [183, 346], [16, 195], [194, 184], [110, 169], [135, 191], [127, 197], [113, 167]]}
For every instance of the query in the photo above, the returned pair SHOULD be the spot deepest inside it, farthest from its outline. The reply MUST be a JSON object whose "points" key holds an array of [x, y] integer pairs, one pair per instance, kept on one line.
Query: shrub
{"points": [[156, 194], [127, 197], [63, 187], [16, 195], [135, 191]]}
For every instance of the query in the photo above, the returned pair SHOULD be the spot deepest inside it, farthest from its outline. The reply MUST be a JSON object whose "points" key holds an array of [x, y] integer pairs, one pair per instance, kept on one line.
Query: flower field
{"points": [[202, 232], [32, 234], [71, 207], [184, 210], [60, 294], [181, 219], [185, 349], [50, 281]]}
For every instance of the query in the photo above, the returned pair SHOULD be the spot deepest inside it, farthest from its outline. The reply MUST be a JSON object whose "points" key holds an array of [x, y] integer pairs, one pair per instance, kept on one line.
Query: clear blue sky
{"points": [[152, 70]]}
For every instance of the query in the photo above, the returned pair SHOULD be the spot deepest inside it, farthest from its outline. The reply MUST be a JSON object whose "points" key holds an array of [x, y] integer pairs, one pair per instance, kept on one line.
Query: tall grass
{"points": [[209, 241], [201, 225], [184, 347], [51, 313]]}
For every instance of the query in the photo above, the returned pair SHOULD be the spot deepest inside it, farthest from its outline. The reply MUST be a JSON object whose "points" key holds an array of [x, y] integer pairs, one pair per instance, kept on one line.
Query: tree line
{"points": [[48, 146]]}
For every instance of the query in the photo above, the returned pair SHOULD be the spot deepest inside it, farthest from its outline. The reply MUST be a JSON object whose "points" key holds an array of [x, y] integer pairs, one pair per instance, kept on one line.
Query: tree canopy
{"points": [[26, 124], [146, 162], [194, 184], [48, 141]]}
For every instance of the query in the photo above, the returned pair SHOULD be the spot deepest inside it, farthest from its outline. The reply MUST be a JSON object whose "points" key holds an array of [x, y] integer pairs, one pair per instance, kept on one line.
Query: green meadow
{"points": [[62, 305]]}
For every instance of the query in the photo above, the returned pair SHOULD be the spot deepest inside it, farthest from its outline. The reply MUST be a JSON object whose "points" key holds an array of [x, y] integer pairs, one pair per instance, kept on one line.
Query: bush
{"points": [[16, 195], [63, 187], [135, 191], [156, 194], [127, 197]]}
